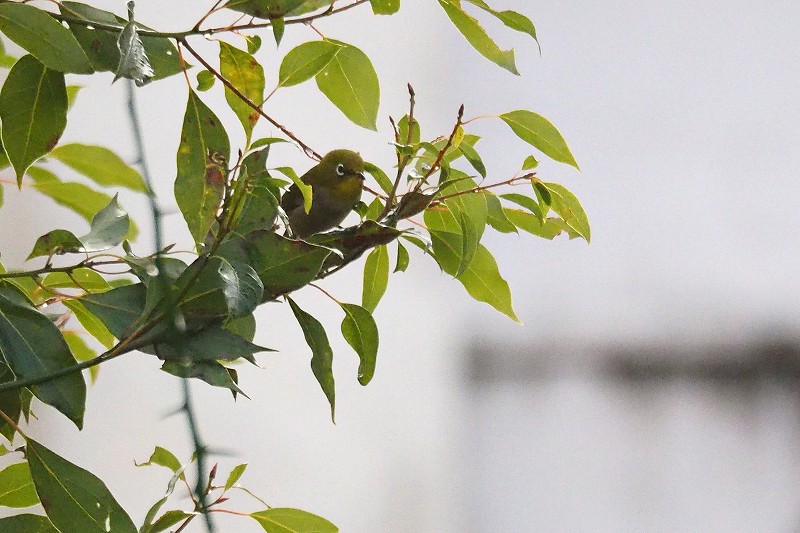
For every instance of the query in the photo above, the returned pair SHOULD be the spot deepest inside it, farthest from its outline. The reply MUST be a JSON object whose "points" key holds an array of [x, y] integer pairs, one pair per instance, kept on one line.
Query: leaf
{"points": [[473, 157], [56, 242], [81, 278], [211, 344], [286, 520], [246, 74], [27, 523], [77, 197], [117, 309], [379, 176], [351, 84], [133, 62], [167, 520], [264, 9], [530, 163], [81, 352], [260, 205], [211, 372], [221, 289], [254, 42], [527, 202], [477, 36], [44, 37], [163, 457], [109, 228], [567, 206], [73, 498], [321, 353], [202, 155], [278, 28], [481, 279], [33, 109], [235, 475], [205, 80], [101, 165], [282, 264], [495, 216], [402, 258], [305, 188], [361, 333], [385, 7], [541, 134], [306, 61], [10, 403], [408, 133], [376, 278], [101, 45], [549, 229], [93, 325], [33, 347], [511, 19], [16, 486]]}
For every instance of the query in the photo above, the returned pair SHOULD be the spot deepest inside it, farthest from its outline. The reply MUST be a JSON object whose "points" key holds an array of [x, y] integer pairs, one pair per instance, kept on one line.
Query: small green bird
{"points": [[336, 189]]}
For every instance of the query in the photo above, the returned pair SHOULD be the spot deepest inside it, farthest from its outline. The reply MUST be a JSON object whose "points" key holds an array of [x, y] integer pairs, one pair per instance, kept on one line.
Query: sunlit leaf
{"points": [[235, 475], [93, 325], [538, 131], [547, 229], [305, 61], [163, 457], [321, 353], [44, 37], [16, 486], [33, 109], [385, 7], [351, 84], [81, 352], [285, 520], [567, 206], [511, 19]]}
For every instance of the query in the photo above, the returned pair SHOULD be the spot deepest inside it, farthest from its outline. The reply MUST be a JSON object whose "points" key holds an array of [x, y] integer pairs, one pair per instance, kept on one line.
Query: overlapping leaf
{"points": [[245, 73], [351, 84]]}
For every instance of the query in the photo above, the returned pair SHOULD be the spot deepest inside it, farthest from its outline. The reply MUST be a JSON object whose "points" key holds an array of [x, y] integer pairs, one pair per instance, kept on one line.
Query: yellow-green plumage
{"points": [[336, 189]]}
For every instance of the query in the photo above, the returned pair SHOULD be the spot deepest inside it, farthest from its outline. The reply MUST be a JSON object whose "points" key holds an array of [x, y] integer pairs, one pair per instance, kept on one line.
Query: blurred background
{"points": [[654, 384]]}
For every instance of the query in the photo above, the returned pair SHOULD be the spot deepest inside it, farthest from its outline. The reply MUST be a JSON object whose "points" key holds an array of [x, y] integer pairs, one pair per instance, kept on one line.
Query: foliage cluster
{"points": [[194, 312]]}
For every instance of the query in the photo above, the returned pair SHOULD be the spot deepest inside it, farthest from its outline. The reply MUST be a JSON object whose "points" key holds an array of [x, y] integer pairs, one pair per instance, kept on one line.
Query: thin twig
{"points": [[402, 161]]}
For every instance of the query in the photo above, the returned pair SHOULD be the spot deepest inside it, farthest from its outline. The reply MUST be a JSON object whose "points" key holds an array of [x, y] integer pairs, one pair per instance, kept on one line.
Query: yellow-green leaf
{"points": [[351, 84], [246, 74], [538, 131], [376, 277]]}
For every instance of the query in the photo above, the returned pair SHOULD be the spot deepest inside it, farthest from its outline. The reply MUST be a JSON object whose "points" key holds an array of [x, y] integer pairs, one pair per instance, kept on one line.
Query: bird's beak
{"points": [[360, 176]]}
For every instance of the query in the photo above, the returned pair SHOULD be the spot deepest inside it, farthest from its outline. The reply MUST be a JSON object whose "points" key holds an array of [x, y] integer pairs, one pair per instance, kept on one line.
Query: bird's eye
{"points": [[340, 169]]}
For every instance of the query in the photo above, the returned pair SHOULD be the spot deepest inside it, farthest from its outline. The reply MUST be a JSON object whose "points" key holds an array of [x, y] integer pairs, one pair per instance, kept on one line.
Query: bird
{"points": [[336, 189]]}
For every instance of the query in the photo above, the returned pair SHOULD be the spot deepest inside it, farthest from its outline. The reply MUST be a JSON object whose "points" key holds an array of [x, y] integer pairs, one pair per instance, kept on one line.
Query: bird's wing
{"points": [[291, 199]]}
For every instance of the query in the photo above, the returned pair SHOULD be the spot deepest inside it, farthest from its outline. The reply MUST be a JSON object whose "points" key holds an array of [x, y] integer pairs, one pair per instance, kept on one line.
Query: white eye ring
{"points": [[340, 169]]}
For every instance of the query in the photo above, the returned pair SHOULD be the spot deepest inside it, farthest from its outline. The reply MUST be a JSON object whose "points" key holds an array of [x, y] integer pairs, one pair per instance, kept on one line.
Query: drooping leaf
{"points": [[246, 74], [278, 29], [211, 372], [101, 45], [321, 353], [202, 156], [133, 61], [33, 109], [264, 9], [376, 278], [286, 520], [351, 84], [495, 216], [44, 37], [33, 347], [379, 176], [541, 134], [305, 61], [73, 498], [166, 521], [16, 486], [77, 197], [361, 333], [474, 158], [402, 258], [511, 19], [27, 523], [211, 344], [101, 165], [569, 208], [477, 36], [385, 7], [481, 278]]}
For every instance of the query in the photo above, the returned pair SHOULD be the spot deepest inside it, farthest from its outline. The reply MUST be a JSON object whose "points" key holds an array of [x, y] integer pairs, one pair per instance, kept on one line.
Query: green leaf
{"points": [[117, 309], [81, 278], [211, 372], [254, 42], [202, 155], [81, 352], [567, 206], [72, 95], [409, 133], [525, 201], [376, 277], [511, 19], [205, 80], [473, 157], [44, 37], [16, 486], [306, 61], [264, 9], [235, 475], [477, 36], [351, 84], [167, 520], [77, 197], [402, 258], [530, 163], [259, 206], [163, 457], [278, 28], [101, 45], [549, 229], [385, 7], [282, 264], [321, 353], [10, 404], [379, 176], [211, 344], [27, 523], [93, 325], [101, 165], [73, 498], [33, 109], [56, 242], [541, 134], [222, 289], [305, 188], [246, 74], [361, 333], [286, 520], [495, 216], [109, 228], [33, 347], [481, 279]]}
